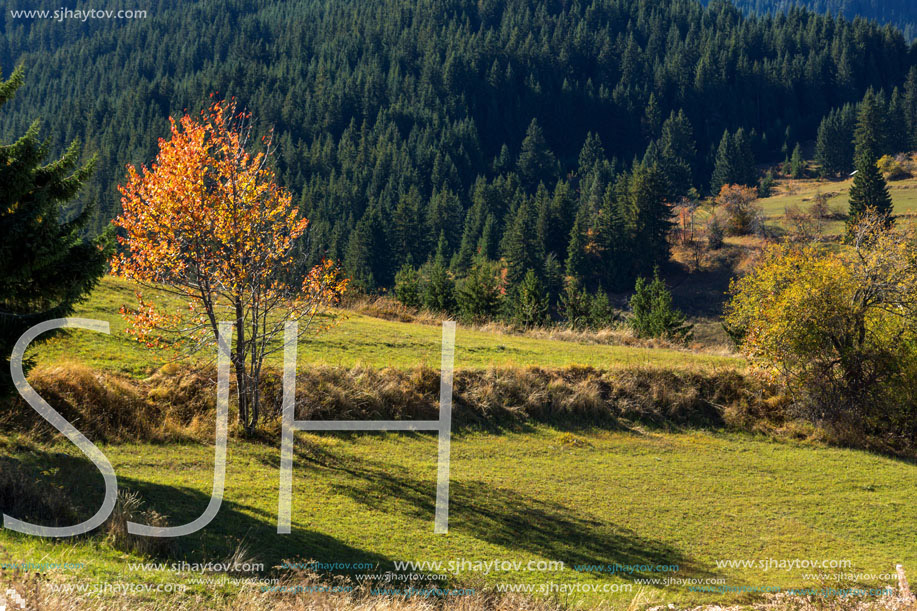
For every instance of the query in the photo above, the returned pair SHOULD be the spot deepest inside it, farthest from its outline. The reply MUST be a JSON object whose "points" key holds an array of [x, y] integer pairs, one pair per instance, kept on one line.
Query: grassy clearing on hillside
{"points": [[355, 340], [801, 193], [587, 498]]}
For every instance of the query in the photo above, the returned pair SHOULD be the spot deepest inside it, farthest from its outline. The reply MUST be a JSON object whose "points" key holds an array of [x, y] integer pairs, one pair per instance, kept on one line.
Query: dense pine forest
{"points": [[550, 134], [899, 13]]}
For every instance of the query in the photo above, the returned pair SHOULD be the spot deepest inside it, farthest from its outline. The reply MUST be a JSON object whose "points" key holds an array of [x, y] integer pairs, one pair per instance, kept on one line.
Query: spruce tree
{"points": [[834, 142], [408, 289], [536, 163], [746, 173], [478, 296], [910, 106], [653, 314], [647, 194], [574, 305], [529, 303], [46, 266], [439, 295], [797, 163], [869, 190], [523, 250], [677, 152], [575, 265], [724, 167]]}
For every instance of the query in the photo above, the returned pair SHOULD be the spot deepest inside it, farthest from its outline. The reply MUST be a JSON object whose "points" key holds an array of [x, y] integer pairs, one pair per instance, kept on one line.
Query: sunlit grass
{"points": [[588, 497], [355, 339]]}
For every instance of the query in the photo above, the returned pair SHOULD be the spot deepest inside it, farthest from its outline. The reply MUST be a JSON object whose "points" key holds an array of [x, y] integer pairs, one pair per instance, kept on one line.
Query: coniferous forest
{"points": [[553, 135], [899, 13]]}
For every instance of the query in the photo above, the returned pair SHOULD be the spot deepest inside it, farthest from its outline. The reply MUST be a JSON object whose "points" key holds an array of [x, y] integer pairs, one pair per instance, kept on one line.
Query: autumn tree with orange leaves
{"points": [[208, 223]]}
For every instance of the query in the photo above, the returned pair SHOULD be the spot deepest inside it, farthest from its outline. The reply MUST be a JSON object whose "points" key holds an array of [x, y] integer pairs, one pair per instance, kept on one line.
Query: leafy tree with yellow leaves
{"points": [[838, 329]]}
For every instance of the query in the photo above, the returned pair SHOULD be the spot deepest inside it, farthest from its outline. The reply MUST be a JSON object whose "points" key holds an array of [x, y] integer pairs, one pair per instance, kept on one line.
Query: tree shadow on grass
{"points": [[57, 489], [239, 526], [508, 518]]}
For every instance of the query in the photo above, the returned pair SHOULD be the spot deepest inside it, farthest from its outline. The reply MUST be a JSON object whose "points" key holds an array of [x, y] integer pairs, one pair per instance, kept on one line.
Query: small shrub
{"points": [[894, 168], [820, 209], [129, 508], [408, 289], [653, 314], [715, 233], [743, 213], [30, 499]]}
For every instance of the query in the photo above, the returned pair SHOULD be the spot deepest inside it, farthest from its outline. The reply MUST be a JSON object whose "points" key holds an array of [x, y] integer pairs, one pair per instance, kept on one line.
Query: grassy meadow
{"points": [[589, 497], [569, 492], [355, 339]]}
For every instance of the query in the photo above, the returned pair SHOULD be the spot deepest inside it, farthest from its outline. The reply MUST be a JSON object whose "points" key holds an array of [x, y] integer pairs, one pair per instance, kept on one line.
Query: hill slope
{"points": [[386, 114]]}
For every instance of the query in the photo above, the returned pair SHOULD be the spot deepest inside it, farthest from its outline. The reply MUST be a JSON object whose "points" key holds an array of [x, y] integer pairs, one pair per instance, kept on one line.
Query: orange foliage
{"points": [[207, 221]]}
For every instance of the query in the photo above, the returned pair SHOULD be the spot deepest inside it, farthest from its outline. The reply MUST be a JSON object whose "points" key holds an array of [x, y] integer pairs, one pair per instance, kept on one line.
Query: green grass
{"points": [[801, 193], [687, 499], [356, 339]]}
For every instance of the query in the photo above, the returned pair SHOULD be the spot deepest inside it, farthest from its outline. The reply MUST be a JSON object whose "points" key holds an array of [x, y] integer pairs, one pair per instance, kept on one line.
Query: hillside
{"points": [[398, 123]]}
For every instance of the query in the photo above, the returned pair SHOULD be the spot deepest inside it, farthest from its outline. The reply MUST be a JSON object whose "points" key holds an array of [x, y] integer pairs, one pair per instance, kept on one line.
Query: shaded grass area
{"points": [[355, 340], [590, 497]]}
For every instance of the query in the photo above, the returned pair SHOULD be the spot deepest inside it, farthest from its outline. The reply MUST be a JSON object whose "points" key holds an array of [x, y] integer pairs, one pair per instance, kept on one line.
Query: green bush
{"points": [[529, 307], [653, 314], [479, 296], [408, 289]]}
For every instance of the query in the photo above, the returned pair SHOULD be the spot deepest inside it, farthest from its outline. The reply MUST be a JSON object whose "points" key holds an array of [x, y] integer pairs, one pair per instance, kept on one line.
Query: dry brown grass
{"points": [[39, 593], [178, 403], [510, 396]]}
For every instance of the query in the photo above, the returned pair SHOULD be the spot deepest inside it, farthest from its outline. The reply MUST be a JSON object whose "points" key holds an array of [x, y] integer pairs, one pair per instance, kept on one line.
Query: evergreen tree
{"points": [[871, 133], [910, 107], [523, 250], [834, 142], [575, 265], [46, 267], [574, 306], [367, 257], [591, 154], [408, 289], [439, 295], [478, 296], [553, 279], [653, 221], [746, 174], [899, 140], [529, 303], [652, 119], [869, 190], [676, 153], [537, 163], [652, 313], [724, 169], [444, 217], [601, 314], [797, 163], [734, 162]]}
